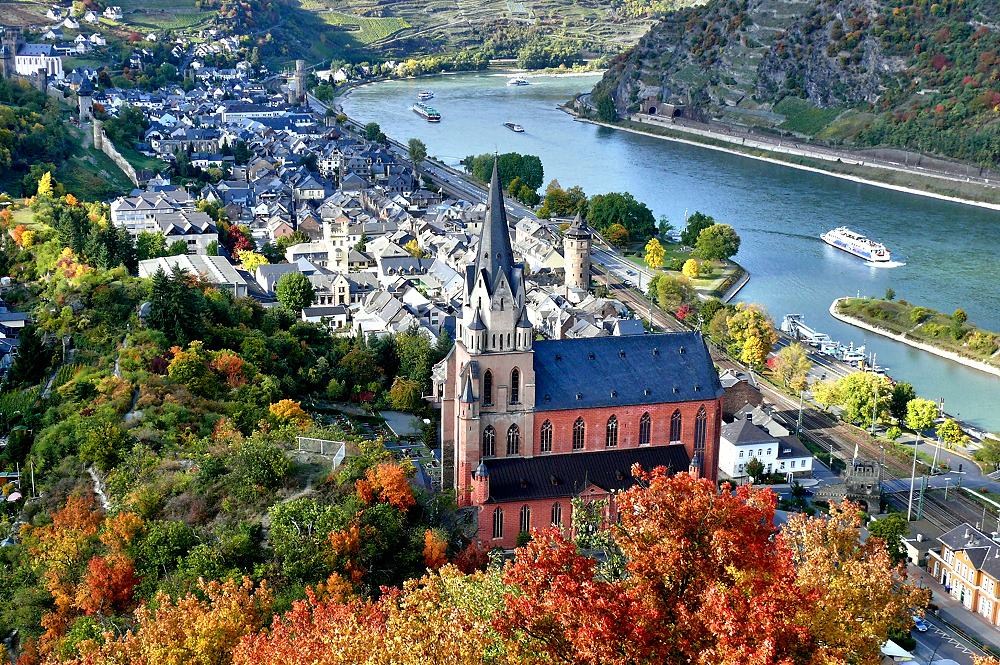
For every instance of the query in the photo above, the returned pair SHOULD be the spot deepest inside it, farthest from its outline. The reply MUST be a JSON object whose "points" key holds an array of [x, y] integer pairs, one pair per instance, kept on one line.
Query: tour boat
{"points": [[855, 243], [514, 127], [517, 80], [426, 112], [424, 95]]}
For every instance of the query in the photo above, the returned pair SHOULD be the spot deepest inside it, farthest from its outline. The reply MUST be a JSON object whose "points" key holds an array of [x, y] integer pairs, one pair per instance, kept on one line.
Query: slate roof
{"points": [[552, 476], [983, 551], [617, 371], [743, 432]]}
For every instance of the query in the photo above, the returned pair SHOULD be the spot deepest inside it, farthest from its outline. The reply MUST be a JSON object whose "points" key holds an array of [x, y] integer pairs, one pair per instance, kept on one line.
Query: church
{"points": [[527, 425]]}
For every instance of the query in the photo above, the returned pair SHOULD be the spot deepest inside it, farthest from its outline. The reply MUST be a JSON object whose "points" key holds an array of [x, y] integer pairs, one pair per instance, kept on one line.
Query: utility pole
{"points": [[913, 476], [946, 481], [937, 438], [874, 405], [798, 423]]}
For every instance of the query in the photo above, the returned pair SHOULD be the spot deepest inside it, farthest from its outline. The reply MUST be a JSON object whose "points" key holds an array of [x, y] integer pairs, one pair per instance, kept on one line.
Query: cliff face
{"points": [[750, 53], [909, 73]]}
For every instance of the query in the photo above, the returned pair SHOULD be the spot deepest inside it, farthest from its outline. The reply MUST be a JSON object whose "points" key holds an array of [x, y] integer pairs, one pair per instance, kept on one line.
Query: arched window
{"points": [[488, 388], [700, 425], [498, 523], [675, 426], [611, 438], [556, 514], [515, 386], [547, 436], [525, 519], [579, 434], [645, 424], [489, 442], [513, 440]]}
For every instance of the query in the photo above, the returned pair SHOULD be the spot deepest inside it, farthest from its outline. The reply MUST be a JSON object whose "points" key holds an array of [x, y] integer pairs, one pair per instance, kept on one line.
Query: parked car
{"points": [[919, 624]]}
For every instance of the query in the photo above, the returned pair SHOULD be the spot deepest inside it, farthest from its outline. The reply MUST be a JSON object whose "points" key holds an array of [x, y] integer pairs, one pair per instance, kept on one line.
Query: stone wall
{"points": [[104, 144]]}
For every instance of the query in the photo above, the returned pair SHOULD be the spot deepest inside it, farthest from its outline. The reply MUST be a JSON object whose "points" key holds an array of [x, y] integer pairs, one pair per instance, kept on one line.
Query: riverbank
{"points": [[905, 337], [874, 176]]}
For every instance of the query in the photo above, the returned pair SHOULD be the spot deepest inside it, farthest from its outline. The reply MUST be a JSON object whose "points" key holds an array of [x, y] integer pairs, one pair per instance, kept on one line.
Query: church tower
{"points": [[576, 254], [489, 397]]}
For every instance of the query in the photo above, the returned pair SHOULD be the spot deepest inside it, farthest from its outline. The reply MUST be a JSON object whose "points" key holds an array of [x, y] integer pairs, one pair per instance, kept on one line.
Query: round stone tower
{"points": [[576, 252]]}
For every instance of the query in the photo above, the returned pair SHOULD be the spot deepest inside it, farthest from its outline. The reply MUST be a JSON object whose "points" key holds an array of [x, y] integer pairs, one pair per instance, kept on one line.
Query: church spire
{"points": [[495, 254]]}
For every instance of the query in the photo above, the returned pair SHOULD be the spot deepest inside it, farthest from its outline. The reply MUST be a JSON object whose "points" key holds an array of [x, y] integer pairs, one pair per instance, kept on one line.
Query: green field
{"points": [[165, 14], [804, 118], [368, 30]]}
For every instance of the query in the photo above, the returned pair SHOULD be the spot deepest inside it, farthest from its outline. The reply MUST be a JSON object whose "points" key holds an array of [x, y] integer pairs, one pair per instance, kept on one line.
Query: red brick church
{"points": [[527, 425]]}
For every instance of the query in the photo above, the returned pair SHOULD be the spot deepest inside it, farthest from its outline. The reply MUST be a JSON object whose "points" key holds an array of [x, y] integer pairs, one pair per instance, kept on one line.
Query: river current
{"points": [[948, 249]]}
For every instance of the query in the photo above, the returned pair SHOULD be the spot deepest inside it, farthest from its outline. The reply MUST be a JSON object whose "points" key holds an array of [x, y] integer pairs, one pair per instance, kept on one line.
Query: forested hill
{"points": [[914, 73]]}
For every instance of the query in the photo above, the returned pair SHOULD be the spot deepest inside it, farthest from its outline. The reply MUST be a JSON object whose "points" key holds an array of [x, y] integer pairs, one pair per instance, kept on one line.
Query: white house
{"points": [[91, 17], [214, 269], [742, 441], [113, 13]]}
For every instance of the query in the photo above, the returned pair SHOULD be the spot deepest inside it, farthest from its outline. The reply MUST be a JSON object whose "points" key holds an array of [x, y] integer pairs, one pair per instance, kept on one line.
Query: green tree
{"points": [[405, 394], [755, 469], [672, 291], [150, 245], [177, 308], [892, 529], [605, 105], [951, 433], [890, 294], [418, 153], [299, 533], [294, 291], [559, 202], [921, 414], [373, 132], [604, 210], [654, 254], [902, 393], [989, 452], [864, 395], [959, 316], [527, 168], [696, 223], [717, 242]]}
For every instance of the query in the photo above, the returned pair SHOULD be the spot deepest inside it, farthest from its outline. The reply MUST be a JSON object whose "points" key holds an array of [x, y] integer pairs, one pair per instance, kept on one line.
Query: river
{"points": [[779, 212]]}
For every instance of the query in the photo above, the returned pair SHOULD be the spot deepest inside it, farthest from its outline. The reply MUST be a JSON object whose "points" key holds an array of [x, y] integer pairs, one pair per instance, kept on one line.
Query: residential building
{"points": [[216, 270], [968, 567]]}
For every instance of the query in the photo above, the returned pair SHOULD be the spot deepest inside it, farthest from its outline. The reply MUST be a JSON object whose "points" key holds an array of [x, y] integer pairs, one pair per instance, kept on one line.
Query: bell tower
{"points": [[491, 377]]}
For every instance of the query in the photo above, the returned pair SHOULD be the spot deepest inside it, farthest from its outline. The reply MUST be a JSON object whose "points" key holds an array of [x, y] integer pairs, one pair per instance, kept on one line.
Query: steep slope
{"points": [[898, 72]]}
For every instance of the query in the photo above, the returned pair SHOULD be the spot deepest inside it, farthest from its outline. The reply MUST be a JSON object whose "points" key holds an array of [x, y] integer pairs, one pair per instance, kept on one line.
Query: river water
{"points": [[948, 248]]}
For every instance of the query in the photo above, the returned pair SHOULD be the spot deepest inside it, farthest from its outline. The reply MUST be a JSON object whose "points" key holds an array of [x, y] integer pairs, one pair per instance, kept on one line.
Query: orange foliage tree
{"points": [[435, 549], [290, 412], [108, 586], [388, 482], [196, 629]]}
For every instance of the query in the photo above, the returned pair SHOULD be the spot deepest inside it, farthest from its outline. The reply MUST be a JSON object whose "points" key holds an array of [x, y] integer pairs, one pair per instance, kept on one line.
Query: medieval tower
{"points": [[576, 253]]}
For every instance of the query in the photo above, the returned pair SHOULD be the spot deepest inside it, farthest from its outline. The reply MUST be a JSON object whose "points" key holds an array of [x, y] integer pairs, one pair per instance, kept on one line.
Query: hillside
{"points": [[867, 72]]}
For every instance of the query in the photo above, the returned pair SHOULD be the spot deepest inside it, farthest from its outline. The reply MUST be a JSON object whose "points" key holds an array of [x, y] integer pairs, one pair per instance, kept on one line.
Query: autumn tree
{"points": [[717, 242], [859, 595], [435, 549], [672, 291], [865, 397], [405, 394], [617, 235], [251, 260], [654, 254], [388, 482], [791, 366], [108, 586], [691, 269], [289, 412], [921, 414], [751, 334], [951, 433]]}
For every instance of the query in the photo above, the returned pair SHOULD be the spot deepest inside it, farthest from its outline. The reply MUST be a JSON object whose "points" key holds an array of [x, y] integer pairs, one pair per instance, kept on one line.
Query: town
{"points": [[300, 352]]}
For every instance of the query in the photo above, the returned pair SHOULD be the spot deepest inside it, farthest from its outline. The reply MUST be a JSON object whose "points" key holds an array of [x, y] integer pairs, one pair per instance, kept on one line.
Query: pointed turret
{"points": [[468, 395], [495, 254], [578, 229]]}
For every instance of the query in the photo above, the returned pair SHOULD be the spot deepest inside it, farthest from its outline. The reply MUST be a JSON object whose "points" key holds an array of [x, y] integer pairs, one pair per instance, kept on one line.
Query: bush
{"points": [[893, 433]]}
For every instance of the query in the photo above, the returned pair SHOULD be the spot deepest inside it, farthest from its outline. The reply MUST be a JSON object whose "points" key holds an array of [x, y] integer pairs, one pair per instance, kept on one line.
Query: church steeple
{"points": [[495, 254], [494, 286]]}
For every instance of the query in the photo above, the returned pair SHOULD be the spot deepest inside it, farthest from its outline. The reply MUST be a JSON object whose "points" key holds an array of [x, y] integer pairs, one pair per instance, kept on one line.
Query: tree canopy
{"points": [[604, 210]]}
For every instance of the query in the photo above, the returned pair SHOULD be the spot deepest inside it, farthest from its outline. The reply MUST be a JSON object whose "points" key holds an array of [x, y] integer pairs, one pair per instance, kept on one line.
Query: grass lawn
{"points": [[711, 282]]}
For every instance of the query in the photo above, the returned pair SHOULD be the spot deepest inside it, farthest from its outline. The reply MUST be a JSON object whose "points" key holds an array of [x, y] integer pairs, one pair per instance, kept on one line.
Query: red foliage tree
{"points": [[108, 586]]}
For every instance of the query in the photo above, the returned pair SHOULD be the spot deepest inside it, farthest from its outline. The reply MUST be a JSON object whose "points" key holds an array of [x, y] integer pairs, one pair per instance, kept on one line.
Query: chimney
{"points": [[750, 417]]}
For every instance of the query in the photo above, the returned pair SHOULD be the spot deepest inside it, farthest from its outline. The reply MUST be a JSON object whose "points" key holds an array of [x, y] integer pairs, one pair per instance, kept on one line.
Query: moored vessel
{"points": [[857, 244], [424, 95], [517, 80], [514, 127]]}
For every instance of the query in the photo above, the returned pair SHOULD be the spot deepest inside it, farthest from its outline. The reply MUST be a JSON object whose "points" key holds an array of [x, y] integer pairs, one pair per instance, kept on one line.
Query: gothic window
{"points": [[525, 519], [579, 434], [645, 424], [700, 425], [498, 523], [488, 388], [556, 514], [675, 426], [513, 440], [489, 442], [611, 438], [515, 386], [547, 436]]}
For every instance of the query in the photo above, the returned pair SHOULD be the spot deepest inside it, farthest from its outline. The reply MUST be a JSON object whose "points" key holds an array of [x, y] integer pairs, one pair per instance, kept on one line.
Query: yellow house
{"points": [[968, 567]]}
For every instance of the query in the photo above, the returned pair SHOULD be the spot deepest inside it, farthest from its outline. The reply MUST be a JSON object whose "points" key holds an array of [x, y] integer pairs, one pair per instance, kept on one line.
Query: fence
{"points": [[336, 450]]}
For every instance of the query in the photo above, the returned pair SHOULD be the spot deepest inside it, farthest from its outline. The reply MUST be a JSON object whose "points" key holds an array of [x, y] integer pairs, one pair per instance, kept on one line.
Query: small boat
{"points": [[424, 95], [514, 127], [517, 80], [426, 112], [857, 244]]}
